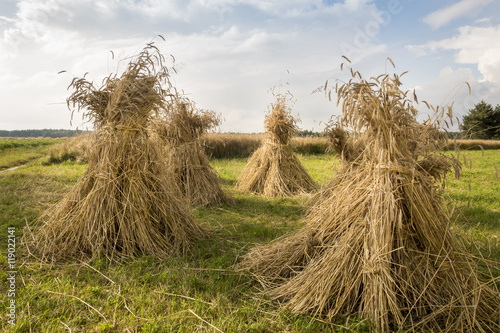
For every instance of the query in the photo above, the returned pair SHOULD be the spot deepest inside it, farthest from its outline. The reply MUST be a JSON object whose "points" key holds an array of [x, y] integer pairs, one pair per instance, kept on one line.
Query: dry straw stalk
{"points": [[377, 241]]}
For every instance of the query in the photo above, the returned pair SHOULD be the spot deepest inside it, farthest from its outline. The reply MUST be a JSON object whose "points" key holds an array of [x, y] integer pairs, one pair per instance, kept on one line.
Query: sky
{"points": [[230, 53]]}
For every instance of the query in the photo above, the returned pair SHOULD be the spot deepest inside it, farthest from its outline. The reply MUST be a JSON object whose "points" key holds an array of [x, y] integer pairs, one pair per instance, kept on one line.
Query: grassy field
{"points": [[223, 145], [476, 196], [14, 152], [197, 292]]}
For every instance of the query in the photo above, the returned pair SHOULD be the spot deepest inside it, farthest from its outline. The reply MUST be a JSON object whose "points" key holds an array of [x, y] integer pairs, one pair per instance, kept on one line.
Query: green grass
{"points": [[477, 198], [478, 188], [14, 152], [28, 142], [189, 293]]}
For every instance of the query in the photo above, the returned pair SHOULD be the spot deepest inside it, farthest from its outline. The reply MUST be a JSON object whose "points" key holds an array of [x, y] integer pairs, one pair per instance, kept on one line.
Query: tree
{"points": [[482, 122]]}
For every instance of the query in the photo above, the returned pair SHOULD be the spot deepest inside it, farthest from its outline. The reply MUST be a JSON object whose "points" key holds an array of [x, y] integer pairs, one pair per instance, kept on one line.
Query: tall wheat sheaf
{"points": [[377, 241], [181, 131], [126, 202], [273, 169]]}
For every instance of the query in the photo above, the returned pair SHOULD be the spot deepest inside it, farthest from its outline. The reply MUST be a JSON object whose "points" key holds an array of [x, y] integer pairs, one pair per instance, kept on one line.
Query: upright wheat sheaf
{"points": [[126, 202], [273, 169], [181, 131], [377, 241]]}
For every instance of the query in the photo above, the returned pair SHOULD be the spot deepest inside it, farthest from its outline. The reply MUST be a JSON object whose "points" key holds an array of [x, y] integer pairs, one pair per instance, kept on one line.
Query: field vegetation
{"points": [[224, 145], [14, 152], [199, 291]]}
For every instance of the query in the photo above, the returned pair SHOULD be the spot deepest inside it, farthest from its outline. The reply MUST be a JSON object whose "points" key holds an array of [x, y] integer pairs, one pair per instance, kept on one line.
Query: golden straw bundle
{"points": [[126, 203], [181, 131], [377, 243], [273, 169]]}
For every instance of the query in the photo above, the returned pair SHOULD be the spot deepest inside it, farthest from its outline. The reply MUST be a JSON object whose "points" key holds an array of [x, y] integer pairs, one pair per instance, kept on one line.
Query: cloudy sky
{"points": [[231, 52]]}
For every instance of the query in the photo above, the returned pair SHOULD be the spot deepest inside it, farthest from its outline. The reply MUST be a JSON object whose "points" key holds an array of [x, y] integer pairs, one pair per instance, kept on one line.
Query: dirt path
{"points": [[14, 168]]}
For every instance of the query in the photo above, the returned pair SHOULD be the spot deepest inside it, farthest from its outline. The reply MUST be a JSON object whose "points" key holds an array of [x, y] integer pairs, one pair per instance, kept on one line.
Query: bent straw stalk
{"points": [[273, 169], [125, 203], [377, 242]]}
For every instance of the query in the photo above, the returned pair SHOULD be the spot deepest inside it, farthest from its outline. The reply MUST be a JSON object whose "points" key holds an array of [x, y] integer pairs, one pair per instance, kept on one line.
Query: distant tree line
{"points": [[303, 133], [36, 133], [481, 122], [454, 135]]}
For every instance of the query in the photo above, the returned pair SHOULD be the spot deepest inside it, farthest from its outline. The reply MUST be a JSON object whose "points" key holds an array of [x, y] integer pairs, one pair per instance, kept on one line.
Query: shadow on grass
{"points": [[262, 218], [479, 217], [227, 181]]}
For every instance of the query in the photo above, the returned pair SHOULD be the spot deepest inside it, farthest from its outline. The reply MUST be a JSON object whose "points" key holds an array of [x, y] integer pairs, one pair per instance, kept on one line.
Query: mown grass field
{"points": [[199, 291], [14, 152]]}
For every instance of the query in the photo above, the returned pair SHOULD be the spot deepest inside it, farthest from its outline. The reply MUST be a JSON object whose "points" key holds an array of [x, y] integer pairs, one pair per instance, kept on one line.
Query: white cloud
{"points": [[295, 8], [231, 51], [260, 41], [445, 15], [450, 88], [7, 19], [473, 45], [484, 20]]}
